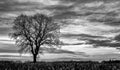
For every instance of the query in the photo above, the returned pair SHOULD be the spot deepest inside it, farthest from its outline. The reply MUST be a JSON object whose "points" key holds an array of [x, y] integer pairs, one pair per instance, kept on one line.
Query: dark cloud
{"points": [[6, 21], [97, 41], [109, 18], [71, 14], [2, 19], [72, 44], [114, 22], [80, 35], [78, 1], [108, 21], [5, 31], [61, 11], [58, 7], [110, 14], [103, 43], [8, 51], [12, 6], [84, 1], [62, 44], [66, 15], [117, 38], [67, 12], [8, 48]]}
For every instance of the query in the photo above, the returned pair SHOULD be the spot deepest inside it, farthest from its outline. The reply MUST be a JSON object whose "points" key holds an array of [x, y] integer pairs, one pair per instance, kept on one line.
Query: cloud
{"points": [[4, 31], [104, 43], [107, 14], [13, 8], [69, 11], [60, 51], [77, 1], [62, 11], [102, 19], [45, 2], [9, 51], [95, 41], [8, 48], [80, 35], [85, 1], [66, 15], [87, 22], [108, 20], [59, 7], [72, 44], [9, 6], [94, 4], [117, 38]]}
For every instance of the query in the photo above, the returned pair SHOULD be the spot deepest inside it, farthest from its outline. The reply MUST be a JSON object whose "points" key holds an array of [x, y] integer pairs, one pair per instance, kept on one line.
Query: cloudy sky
{"points": [[90, 28]]}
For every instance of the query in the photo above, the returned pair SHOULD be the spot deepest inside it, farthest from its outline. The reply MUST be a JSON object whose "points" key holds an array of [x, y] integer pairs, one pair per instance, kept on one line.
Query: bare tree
{"points": [[31, 32]]}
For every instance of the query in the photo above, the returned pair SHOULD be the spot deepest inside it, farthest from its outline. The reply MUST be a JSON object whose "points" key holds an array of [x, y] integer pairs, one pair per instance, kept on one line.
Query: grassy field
{"points": [[61, 65]]}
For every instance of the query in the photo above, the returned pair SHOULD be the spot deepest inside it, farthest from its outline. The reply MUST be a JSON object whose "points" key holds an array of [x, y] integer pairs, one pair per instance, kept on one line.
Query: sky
{"points": [[90, 28]]}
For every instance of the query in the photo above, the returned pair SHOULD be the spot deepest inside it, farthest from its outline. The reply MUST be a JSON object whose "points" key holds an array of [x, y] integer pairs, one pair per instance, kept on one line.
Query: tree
{"points": [[32, 32]]}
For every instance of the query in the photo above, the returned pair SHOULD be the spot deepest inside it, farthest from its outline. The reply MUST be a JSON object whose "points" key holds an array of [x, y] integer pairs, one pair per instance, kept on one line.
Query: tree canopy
{"points": [[31, 32]]}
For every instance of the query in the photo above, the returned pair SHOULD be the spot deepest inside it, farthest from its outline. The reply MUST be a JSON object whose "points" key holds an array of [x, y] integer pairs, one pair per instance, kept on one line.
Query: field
{"points": [[61, 65]]}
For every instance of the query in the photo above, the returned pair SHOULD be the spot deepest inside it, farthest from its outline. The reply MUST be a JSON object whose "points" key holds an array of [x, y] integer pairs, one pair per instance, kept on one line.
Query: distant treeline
{"points": [[61, 65]]}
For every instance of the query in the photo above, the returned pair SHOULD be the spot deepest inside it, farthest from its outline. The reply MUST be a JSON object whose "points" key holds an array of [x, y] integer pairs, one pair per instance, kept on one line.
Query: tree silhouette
{"points": [[31, 32]]}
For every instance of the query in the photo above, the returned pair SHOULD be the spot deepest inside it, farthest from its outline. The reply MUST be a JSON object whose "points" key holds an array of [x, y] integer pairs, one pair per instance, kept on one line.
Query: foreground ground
{"points": [[65, 65]]}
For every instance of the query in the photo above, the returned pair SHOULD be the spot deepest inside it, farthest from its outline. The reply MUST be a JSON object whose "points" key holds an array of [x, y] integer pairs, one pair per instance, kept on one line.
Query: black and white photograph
{"points": [[59, 34]]}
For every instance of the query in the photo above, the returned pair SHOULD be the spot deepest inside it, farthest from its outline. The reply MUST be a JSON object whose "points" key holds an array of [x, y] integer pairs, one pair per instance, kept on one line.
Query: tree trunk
{"points": [[34, 58]]}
